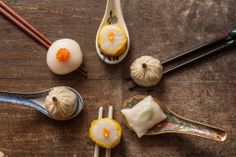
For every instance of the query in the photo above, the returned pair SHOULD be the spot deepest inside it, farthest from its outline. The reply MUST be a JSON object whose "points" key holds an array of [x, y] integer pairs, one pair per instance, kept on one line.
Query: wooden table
{"points": [[204, 92]]}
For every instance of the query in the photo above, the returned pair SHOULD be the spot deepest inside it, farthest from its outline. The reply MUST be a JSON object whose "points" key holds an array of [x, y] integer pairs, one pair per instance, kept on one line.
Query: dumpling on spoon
{"points": [[144, 115], [112, 40], [64, 56], [61, 103]]}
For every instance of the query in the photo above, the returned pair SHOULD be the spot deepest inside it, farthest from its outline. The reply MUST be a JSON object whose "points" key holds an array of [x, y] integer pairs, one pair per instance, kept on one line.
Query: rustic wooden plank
{"points": [[203, 92]]}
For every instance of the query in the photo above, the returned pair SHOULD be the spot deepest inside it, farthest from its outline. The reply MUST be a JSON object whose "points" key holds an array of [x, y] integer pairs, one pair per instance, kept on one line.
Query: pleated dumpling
{"points": [[61, 103], [146, 71]]}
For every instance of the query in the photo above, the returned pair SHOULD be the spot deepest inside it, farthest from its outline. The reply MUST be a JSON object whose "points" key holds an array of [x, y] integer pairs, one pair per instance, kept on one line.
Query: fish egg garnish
{"points": [[63, 55]]}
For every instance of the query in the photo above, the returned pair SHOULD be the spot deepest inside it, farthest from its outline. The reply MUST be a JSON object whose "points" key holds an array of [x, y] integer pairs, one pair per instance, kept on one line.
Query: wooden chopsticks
{"points": [[19, 21], [97, 148], [29, 29], [110, 115], [197, 54]]}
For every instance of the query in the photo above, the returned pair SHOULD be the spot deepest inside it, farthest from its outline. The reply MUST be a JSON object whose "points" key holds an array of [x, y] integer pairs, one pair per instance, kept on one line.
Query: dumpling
{"points": [[112, 40], [146, 71], [64, 56], [144, 115], [105, 132], [61, 103]]}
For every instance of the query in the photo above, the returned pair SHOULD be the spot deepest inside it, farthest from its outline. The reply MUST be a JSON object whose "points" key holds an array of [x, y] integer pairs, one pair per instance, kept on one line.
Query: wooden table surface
{"points": [[204, 92]]}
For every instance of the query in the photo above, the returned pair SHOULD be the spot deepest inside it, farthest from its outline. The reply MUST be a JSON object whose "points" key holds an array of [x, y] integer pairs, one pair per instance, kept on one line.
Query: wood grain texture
{"points": [[204, 92]]}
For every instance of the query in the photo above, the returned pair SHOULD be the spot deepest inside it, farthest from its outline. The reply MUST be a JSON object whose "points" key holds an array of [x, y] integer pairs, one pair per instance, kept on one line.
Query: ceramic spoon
{"points": [[113, 15], [177, 124], [36, 100]]}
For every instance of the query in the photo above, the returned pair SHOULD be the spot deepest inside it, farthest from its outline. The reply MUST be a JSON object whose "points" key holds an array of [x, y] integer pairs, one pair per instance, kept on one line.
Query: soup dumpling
{"points": [[61, 103]]}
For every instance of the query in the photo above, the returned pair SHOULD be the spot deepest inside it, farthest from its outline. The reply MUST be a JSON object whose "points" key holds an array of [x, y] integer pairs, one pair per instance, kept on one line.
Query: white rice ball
{"points": [[64, 56]]}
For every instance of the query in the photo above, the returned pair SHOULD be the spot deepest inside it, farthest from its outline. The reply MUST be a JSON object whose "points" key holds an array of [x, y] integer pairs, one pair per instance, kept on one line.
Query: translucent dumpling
{"points": [[144, 115]]}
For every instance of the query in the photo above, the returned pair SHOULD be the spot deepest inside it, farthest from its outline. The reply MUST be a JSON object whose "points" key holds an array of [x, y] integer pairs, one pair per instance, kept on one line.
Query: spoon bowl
{"points": [[36, 101], [113, 15], [177, 124]]}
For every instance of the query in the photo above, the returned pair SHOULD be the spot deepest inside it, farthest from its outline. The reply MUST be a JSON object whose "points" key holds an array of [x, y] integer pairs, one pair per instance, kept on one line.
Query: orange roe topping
{"points": [[106, 132], [111, 36], [63, 55]]}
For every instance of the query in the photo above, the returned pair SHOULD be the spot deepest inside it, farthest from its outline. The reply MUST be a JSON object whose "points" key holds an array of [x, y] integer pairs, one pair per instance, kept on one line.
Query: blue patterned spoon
{"points": [[36, 101]]}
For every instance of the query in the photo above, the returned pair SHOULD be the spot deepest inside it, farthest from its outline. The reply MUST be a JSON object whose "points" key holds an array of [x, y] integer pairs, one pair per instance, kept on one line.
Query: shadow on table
{"points": [[182, 144]]}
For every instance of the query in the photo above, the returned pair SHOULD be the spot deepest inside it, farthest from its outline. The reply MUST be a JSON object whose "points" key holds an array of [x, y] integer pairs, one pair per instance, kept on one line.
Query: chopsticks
{"points": [[198, 53], [100, 115], [11, 15], [97, 148], [29, 29], [110, 115]]}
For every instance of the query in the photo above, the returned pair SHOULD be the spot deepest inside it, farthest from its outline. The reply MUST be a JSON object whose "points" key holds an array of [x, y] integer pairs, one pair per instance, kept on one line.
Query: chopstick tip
{"points": [[100, 108]]}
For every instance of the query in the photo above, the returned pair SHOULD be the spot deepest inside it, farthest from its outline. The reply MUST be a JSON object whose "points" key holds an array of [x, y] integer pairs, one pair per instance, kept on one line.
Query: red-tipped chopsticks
{"points": [[33, 32]]}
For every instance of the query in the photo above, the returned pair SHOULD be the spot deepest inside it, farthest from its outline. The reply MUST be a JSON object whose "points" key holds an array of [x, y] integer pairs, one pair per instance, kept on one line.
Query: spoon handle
{"points": [[178, 124], [21, 100], [113, 12]]}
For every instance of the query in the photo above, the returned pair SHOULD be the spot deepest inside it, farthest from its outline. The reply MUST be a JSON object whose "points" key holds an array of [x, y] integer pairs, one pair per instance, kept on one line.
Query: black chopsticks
{"points": [[198, 53], [201, 52]]}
